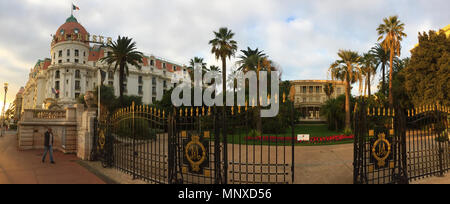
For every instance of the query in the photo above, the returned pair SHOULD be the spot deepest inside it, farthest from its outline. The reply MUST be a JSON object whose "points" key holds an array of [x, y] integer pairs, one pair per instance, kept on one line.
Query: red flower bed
{"points": [[312, 140]]}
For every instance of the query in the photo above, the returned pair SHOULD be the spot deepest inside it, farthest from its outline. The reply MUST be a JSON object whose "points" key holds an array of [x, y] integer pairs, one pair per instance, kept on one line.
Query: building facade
{"points": [[73, 69], [310, 96]]}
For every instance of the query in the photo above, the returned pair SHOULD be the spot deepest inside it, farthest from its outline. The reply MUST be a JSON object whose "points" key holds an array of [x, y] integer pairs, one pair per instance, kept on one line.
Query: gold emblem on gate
{"points": [[101, 139], [195, 153], [381, 150]]}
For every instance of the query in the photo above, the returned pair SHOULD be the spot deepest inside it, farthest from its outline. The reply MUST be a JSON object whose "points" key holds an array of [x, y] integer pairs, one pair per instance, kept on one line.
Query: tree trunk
{"points": [[258, 110], [368, 86], [121, 79], [383, 86], [391, 96], [348, 95], [347, 104]]}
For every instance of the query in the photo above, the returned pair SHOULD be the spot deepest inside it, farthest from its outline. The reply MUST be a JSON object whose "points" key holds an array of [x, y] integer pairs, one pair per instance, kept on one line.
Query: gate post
{"points": [[293, 142], [171, 148], [400, 131], [225, 146], [134, 140]]}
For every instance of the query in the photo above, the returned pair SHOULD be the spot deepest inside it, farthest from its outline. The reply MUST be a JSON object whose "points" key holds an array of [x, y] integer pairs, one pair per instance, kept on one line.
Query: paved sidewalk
{"points": [[25, 167], [434, 180]]}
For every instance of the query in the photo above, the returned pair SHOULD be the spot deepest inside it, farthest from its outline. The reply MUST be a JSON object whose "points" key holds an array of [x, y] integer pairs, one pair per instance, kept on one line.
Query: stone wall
{"points": [[72, 128]]}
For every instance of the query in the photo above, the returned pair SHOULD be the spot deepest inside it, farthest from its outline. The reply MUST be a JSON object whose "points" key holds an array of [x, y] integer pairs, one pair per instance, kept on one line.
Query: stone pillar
{"points": [[86, 134]]}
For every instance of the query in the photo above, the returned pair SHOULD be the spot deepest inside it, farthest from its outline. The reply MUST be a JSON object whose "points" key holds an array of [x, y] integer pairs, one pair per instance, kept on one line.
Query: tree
{"points": [[252, 60], [345, 69], [223, 47], [427, 75], [382, 58], [368, 69], [391, 32], [329, 90], [123, 53]]}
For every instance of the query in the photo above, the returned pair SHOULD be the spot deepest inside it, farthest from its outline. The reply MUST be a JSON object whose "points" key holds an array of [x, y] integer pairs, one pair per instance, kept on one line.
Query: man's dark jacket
{"points": [[47, 140]]}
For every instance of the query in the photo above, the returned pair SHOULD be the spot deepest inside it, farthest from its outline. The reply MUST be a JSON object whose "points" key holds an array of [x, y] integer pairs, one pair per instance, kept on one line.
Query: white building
{"points": [[73, 68]]}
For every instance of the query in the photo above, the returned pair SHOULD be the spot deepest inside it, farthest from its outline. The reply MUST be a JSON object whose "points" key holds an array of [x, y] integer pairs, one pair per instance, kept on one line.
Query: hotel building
{"points": [[73, 70]]}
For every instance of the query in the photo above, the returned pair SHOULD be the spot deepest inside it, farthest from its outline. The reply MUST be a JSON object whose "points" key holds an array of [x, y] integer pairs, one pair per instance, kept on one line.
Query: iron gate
{"points": [[195, 146], [400, 145]]}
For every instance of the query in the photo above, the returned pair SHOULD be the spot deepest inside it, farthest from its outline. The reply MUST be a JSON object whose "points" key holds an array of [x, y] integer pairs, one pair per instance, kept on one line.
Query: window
{"points": [[153, 99], [304, 100], [84, 54], [77, 74], [165, 84], [125, 88], [164, 65], [174, 68], [77, 53], [68, 53], [54, 56], [152, 63], [154, 90], [76, 61], [140, 90], [318, 89], [339, 91], [77, 95], [110, 83], [154, 81], [59, 61], [140, 80], [110, 75], [77, 85], [304, 89], [60, 53], [57, 75], [57, 85], [311, 89]]}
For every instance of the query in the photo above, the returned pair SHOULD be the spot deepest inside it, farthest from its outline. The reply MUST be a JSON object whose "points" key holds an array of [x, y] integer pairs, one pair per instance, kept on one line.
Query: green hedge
{"points": [[141, 128]]}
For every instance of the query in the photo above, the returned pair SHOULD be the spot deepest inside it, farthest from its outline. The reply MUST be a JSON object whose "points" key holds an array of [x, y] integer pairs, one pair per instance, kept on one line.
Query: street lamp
{"points": [[3, 110]]}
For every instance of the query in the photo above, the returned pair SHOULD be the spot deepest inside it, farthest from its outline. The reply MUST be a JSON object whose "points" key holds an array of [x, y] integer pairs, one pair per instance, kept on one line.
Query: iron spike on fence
{"points": [[203, 111], [232, 110]]}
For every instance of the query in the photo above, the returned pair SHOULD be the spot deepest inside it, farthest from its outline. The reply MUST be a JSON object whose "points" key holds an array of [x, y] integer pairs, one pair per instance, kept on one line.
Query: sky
{"points": [[301, 36]]}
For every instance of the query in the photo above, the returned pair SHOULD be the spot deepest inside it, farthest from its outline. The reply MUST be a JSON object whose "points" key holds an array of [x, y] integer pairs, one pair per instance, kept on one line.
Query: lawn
{"points": [[319, 131]]}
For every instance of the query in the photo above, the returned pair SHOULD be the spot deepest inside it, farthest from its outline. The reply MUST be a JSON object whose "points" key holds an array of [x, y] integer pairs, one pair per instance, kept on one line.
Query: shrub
{"points": [[141, 128]]}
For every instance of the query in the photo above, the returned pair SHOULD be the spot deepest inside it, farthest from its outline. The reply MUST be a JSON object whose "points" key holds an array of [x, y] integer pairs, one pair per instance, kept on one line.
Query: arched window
{"points": [[57, 74], [77, 74]]}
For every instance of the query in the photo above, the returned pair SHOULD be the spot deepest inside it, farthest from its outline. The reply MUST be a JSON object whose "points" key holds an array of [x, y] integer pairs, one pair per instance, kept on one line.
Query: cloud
{"points": [[302, 36]]}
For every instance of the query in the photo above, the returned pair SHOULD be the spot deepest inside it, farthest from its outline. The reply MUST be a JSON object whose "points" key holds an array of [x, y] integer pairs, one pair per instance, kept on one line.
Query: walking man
{"points": [[48, 143]]}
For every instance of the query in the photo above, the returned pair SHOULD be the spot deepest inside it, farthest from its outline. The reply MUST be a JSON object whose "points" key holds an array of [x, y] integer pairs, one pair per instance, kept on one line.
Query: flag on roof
{"points": [[75, 7]]}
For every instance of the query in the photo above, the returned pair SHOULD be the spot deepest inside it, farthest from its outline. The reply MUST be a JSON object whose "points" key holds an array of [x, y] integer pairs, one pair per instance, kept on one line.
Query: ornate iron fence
{"points": [[195, 146], [400, 145]]}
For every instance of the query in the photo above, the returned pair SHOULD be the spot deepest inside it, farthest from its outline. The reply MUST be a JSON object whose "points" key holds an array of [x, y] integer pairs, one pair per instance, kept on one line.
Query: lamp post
{"points": [[3, 110]]}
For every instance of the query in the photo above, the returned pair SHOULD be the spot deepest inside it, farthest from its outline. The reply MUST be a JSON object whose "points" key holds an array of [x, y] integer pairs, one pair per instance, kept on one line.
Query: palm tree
{"points": [[329, 90], [345, 69], [368, 69], [382, 58], [391, 32], [255, 60], [223, 47], [192, 62], [123, 53]]}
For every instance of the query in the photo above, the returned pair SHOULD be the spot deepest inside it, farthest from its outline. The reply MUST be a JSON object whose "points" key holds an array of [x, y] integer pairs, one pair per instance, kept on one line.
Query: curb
{"points": [[103, 177]]}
